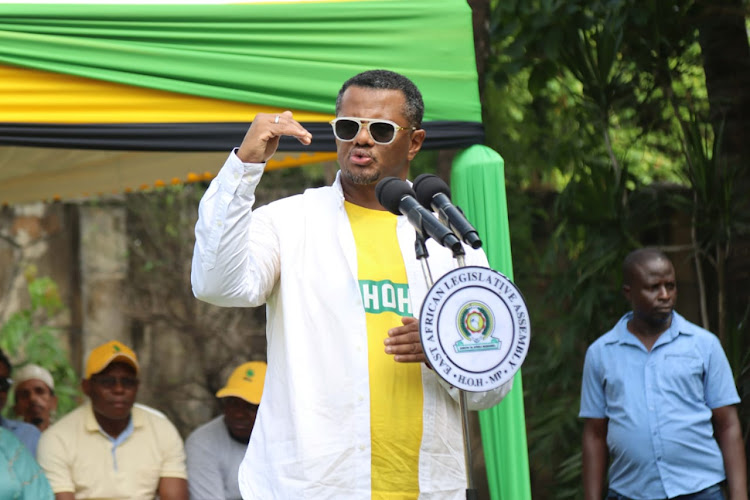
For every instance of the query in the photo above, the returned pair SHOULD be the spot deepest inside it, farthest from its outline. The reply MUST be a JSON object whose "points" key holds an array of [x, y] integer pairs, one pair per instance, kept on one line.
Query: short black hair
{"points": [[636, 257], [389, 80], [4, 360]]}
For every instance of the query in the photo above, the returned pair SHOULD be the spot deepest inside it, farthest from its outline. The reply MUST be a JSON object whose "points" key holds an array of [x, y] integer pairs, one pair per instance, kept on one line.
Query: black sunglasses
{"points": [[346, 128], [109, 382], [5, 384]]}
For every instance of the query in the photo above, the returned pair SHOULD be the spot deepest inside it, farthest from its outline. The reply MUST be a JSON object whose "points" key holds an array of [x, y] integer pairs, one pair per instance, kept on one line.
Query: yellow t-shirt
{"points": [[395, 388]]}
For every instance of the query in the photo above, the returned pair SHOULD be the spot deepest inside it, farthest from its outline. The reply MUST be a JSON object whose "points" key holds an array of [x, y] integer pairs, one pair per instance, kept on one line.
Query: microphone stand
{"points": [[471, 491], [420, 248]]}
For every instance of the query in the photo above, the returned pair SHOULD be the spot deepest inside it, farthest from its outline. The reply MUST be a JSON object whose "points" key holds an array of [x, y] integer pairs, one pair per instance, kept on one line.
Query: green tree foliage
{"points": [[30, 336], [603, 104]]}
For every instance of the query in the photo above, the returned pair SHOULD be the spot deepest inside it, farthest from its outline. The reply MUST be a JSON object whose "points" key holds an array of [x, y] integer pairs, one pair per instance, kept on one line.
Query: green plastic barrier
{"points": [[478, 187]]}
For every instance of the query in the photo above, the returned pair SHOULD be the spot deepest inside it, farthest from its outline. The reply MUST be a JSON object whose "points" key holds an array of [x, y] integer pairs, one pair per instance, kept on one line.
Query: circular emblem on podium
{"points": [[475, 330]]}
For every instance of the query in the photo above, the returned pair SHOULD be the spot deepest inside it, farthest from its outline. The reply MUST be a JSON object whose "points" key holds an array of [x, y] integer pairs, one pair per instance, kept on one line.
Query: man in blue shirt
{"points": [[26, 433], [658, 398]]}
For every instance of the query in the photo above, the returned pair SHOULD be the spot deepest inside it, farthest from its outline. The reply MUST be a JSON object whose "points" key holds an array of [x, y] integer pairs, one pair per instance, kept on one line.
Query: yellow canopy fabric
{"points": [[30, 174], [35, 96]]}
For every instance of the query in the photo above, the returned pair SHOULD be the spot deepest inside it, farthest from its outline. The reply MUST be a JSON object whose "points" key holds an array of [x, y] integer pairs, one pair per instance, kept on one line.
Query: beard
{"points": [[362, 177]]}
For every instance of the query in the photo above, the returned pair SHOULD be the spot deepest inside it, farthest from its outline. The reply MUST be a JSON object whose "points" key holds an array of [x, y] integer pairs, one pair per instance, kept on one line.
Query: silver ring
{"points": [[276, 120]]}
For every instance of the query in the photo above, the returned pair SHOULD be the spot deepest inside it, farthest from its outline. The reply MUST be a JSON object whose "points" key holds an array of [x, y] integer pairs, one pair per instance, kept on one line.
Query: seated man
{"points": [[34, 391], [215, 449], [21, 478], [110, 447], [26, 433]]}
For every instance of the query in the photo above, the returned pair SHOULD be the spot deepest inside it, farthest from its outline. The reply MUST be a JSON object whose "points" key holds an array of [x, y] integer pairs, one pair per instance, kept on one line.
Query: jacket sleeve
{"points": [[236, 258]]}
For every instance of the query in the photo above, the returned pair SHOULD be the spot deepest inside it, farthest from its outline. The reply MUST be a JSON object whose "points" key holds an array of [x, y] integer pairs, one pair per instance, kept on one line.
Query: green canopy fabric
{"points": [[478, 187], [145, 77], [293, 55]]}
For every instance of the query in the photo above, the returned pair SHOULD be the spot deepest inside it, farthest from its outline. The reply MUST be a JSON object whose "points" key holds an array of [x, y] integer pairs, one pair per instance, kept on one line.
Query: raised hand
{"points": [[262, 138]]}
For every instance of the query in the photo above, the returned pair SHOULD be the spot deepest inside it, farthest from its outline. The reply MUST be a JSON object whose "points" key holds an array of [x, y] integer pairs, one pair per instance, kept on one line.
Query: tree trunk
{"points": [[480, 18], [726, 60]]}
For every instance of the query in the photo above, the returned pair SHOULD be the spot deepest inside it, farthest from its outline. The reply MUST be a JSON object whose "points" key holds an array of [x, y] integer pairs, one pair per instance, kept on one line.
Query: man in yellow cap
{"points": [[111, 447], [34, 390], [216, 449]]}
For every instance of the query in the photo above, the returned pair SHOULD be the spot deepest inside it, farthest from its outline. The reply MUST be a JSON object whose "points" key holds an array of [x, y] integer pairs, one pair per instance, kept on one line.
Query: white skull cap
{"points": [[32, 371]]}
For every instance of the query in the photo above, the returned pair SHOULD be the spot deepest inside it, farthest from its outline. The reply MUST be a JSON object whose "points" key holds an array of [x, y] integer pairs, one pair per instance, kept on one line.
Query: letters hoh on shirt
{"points": [[385, 296]]}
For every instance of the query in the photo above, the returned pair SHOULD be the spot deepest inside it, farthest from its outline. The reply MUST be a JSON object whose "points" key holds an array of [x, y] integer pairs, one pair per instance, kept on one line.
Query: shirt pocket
{"points": [[621, 378], [683, 376]]}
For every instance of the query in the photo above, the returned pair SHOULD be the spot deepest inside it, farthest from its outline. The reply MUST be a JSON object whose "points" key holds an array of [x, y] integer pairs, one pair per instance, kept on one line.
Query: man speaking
{"points": [[351, 409]]}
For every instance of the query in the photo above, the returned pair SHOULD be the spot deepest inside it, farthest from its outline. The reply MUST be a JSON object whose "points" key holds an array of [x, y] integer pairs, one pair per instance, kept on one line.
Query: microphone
{"points": [[434, 194], [399, 198]]}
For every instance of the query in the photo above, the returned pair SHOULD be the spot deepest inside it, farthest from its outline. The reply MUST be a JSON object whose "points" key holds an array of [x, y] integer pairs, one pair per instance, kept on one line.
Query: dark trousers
{"points": [[711, 493]]}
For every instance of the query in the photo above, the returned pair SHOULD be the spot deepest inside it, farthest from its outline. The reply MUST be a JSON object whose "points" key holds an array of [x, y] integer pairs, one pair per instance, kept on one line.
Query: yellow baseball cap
{"points": [[101, 357], [246, 382]]}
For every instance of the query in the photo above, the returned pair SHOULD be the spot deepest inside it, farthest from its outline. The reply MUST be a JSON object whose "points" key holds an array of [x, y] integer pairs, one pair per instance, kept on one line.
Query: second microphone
{"points": [[399, 198]]}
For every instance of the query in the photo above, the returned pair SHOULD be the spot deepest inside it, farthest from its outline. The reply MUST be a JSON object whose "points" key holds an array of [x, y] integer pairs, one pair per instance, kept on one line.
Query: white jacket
{"points": [[312, 434]]}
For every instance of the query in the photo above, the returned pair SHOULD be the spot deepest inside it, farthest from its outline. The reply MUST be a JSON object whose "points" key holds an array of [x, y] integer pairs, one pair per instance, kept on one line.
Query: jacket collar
{"points": [[340, 190]]}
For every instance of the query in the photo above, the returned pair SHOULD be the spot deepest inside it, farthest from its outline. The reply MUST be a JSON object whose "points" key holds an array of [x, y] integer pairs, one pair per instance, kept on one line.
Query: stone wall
{"points": [[85, 249], [186, 348], [37, 237]]}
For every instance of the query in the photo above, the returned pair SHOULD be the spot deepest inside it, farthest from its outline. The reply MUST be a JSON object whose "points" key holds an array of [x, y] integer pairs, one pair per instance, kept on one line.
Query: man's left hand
{"points": [[403, 342]]}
